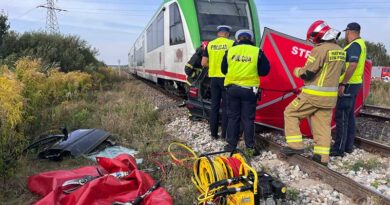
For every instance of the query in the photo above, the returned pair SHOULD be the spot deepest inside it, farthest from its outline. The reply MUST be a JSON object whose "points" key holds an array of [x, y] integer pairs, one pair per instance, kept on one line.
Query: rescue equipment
{"points": [[231, 181], [139, 199], [225, 178], [118, 180]]}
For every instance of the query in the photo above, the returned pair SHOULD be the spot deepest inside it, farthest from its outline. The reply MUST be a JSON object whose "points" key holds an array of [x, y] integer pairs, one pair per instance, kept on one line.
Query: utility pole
{"points": [[51, 17], [119, 67]]}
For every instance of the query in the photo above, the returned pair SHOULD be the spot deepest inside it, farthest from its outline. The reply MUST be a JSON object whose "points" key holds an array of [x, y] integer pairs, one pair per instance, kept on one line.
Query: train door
{"points": [[176, 50]]}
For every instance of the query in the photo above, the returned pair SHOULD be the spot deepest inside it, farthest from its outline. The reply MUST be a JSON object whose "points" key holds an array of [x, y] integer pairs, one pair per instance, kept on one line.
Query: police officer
{"points": [[319, 94], [212, 58], [243, 64], [349, 87]]}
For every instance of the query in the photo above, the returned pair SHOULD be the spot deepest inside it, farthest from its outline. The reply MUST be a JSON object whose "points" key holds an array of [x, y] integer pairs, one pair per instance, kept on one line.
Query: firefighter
{"points": [[349, 87], [194, 67], [212, 58], [243, 64], [321, 74]]}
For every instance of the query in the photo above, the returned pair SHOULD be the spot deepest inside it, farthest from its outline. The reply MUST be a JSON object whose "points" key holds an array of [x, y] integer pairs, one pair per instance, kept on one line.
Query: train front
{"points": [[239, 14]]}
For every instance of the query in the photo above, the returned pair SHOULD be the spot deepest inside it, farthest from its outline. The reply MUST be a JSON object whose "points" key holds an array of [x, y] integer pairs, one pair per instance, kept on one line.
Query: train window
{"points": [[175, 25], [155, 33], [213, 13], [140, 55]]}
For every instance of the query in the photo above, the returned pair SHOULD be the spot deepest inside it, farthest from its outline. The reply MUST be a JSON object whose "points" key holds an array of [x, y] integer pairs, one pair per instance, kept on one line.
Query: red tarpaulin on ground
{"points": [[280, 86], [104, 190]]}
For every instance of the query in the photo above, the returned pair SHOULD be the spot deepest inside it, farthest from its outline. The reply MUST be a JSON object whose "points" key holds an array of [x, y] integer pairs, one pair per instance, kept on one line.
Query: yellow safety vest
{"points": [[216, 50], [357, 76], [242, 62]]}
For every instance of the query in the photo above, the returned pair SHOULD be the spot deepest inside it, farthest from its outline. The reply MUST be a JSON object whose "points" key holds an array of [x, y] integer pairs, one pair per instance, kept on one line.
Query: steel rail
{"points": [[357, 192], [379, 117], [372, 146]]}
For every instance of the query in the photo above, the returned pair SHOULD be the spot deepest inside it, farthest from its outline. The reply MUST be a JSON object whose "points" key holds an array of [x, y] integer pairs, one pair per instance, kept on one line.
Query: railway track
{"points": [[374, 129], [378, 112], [359, 193]]}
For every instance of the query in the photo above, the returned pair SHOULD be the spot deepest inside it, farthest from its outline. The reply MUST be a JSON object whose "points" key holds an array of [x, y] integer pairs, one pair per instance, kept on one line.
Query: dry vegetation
{"points": [[122, 110], [379, 94]]}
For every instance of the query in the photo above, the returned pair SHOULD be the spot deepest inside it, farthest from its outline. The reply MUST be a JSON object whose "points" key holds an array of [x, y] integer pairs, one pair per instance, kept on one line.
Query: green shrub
{"points": [[292, 194]]}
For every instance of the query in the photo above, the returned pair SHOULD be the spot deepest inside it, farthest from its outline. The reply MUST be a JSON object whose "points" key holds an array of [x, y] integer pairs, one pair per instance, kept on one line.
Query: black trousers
{"points": [[218, 101], [345, 120], [241, 104]]}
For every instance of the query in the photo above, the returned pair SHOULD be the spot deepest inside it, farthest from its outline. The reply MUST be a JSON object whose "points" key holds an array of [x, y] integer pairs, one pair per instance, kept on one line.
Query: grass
{"points": [[124, 111], [369, 165], [292, 194], [379, 94]]}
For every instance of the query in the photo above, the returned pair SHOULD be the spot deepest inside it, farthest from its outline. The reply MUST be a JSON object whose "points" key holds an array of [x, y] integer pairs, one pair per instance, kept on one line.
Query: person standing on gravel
{"points": [[212, 58], [350, 84], [321, 73], [242, 65]]}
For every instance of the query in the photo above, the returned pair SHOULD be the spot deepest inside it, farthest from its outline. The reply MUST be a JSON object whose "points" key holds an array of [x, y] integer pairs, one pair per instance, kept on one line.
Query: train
{"points": [[179, 27]]}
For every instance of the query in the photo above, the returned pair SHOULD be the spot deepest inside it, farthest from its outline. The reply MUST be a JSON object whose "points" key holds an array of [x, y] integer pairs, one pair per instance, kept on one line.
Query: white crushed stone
{"points": [[196, 135]]}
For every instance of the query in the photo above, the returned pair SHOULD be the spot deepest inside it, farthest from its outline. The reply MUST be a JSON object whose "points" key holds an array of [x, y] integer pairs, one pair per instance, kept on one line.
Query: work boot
{"points": [[317, 158], [215, 137], [228, 148], [290, 151]]}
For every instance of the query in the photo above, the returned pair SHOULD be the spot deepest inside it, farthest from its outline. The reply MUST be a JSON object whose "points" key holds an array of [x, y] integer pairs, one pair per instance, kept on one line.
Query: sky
{"points": [[111, 26]]}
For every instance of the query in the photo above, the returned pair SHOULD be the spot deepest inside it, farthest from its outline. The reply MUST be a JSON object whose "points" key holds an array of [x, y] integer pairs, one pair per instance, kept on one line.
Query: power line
{"points": [[51, 17]]}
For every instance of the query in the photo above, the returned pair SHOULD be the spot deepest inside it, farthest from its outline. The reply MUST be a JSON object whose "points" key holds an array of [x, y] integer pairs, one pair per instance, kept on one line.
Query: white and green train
{"points": [[179, 27]]}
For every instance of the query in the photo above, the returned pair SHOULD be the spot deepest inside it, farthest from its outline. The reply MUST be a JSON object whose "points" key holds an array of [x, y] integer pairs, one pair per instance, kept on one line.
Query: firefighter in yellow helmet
{"points": [[321, 75], [212, 58], [243, 64]]}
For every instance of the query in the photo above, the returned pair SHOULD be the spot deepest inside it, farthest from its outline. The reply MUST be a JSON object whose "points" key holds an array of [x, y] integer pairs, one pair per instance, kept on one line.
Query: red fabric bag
{"points": [[103, 190]]}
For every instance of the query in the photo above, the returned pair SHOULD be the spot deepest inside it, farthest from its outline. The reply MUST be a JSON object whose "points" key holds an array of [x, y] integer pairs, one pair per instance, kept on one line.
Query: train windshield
{"points": [[212, 13]]}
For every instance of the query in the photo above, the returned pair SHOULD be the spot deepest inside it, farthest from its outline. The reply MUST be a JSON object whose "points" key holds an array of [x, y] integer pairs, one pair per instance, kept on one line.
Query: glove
{"points": [[296, 72]]}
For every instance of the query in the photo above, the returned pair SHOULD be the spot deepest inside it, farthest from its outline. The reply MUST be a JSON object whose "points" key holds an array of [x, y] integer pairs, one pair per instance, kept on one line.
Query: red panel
{"points": [[277, 84], [277, 87]]}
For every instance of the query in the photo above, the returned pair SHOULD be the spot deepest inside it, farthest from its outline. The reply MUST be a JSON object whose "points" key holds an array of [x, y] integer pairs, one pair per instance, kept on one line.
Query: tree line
{"points": [[67, 52]]}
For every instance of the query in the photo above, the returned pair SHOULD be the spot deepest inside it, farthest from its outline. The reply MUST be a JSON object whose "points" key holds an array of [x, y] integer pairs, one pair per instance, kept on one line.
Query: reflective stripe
{"points": [[290, 141], [320, 93], [319, 27], [295, 103], [325, 89], [323, 75], [311, 59], [321, 150], [294, 138]]}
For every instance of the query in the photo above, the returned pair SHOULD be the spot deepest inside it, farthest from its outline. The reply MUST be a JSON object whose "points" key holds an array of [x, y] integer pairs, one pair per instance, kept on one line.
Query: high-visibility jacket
{"points": [[216, 50], [242, 66], [326, 63], [357, 76]]}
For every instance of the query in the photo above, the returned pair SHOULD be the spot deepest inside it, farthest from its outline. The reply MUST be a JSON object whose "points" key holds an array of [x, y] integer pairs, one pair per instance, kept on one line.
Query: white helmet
{"points": [[246, 32]]}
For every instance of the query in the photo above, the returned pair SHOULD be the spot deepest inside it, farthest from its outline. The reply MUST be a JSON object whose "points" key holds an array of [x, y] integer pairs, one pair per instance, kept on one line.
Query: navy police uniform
{"points": [[242, 65]]}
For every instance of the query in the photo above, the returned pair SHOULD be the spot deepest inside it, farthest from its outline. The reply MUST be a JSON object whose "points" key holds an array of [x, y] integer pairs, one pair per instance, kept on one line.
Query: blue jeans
{"points": [[345, 120], [218, 93], [241, 104]]}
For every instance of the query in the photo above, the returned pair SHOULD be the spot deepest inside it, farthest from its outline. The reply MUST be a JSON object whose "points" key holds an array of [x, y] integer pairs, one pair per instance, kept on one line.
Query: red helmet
{"points": [[316, 31]]}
